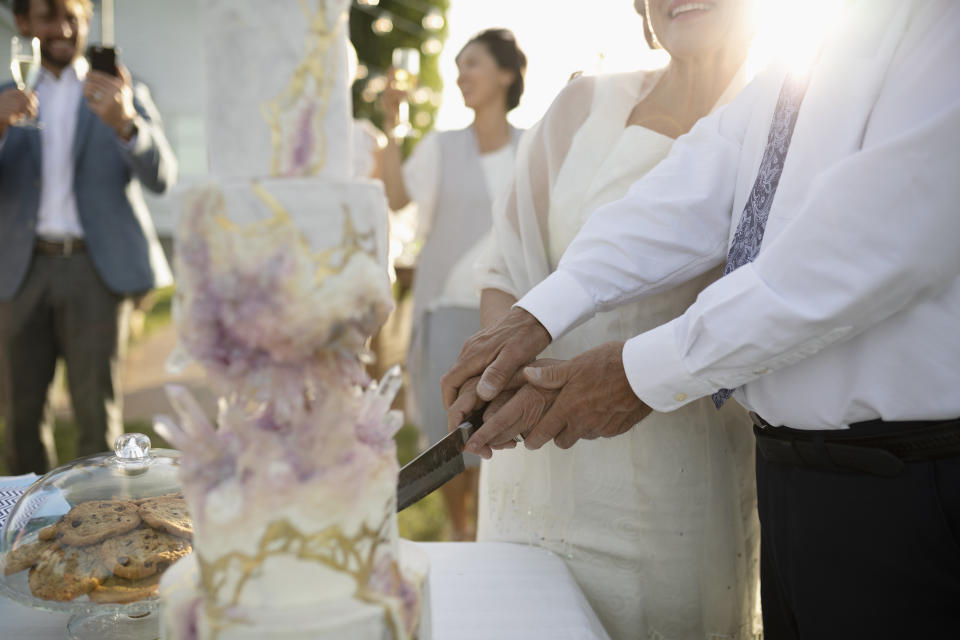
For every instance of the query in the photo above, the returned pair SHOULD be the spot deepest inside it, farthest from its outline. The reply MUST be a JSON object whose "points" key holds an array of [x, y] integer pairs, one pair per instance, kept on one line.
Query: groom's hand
{"points": [[594, 400], [495, 354]]}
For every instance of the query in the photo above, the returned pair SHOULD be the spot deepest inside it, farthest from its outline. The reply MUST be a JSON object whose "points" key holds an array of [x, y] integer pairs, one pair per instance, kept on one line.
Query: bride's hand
{"points": [[496, 354], [520, 414], [514, 411], [468, 401]]}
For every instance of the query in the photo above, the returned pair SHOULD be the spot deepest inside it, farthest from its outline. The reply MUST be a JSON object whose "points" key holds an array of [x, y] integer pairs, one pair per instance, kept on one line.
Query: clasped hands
{"points": [[539, 400]]}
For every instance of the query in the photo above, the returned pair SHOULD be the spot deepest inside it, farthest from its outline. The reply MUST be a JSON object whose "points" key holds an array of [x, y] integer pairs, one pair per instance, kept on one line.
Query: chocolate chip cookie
{"points": [[91, 522], [24, 556], [48, 534], [168, 513], [142, 552], [116, 590], [65, 573]]}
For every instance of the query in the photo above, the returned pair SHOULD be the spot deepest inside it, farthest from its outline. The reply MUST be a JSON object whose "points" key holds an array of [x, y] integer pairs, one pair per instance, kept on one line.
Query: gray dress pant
{"points": [[62, 310]]}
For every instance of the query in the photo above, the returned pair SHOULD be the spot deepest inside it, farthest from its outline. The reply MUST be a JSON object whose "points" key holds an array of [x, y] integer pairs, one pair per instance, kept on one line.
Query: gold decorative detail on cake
{"points": [[350, 555], [332, 261], [280, 214], [302, 105], [352, 243]]}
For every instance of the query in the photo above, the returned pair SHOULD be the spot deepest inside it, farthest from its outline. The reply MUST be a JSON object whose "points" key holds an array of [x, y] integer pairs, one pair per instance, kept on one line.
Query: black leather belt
{"points": [[874, 447], [62, 248]]}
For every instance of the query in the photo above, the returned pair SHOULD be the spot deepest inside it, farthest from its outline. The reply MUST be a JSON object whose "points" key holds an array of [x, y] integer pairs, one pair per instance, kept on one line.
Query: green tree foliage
{"points": [[375, 48]]}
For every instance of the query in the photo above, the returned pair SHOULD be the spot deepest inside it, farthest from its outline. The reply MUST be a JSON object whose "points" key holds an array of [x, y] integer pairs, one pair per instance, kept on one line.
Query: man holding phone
{"points": [[76, 240]]}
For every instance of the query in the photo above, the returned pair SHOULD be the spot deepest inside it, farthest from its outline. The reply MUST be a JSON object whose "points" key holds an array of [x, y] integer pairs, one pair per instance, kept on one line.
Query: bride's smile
{"points": [[679, 7]]}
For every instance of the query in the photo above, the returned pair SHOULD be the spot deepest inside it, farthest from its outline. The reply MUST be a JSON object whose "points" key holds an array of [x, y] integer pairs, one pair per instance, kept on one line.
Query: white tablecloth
{"points": [[478, 591]]}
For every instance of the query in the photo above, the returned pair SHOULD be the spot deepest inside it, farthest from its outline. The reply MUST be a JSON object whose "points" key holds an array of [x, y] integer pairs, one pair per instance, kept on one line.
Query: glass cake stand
{"points": [[132, 474]]}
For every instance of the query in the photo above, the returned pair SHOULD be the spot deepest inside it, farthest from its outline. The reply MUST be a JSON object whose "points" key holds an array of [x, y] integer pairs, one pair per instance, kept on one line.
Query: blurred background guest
{"points": [[76, 240], [453, 177], [368, 145]]}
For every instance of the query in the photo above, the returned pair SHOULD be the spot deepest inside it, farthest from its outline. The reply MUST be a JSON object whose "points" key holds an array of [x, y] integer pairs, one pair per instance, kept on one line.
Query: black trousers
{"points": [[846, 555], [62, 310]]}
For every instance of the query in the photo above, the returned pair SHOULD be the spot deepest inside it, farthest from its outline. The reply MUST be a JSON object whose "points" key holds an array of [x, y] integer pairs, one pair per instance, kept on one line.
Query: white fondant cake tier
{"points": [[277, 73], [183, 618], [271, 272], [314, 542], [329, 213]]}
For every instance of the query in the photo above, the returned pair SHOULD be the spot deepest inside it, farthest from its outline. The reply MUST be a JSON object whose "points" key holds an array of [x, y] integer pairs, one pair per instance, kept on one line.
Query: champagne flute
{"points": [[406, 68], [25, 68]]}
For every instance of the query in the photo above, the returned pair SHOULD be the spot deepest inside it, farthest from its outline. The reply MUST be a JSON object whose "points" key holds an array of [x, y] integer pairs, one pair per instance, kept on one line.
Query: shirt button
{"points": [[680, 397]]}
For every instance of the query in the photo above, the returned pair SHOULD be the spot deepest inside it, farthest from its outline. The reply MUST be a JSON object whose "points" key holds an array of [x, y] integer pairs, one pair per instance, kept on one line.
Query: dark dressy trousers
{"points": [[62, 310], [848, 555]]}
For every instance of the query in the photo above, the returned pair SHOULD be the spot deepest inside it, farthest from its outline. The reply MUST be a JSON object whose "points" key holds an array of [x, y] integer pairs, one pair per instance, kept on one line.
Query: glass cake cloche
{"points": [[94, 536]]}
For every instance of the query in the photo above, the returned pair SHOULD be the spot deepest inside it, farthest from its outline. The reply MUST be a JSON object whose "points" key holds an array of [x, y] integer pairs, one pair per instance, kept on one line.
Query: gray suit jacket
{"points": [[120, 237]]}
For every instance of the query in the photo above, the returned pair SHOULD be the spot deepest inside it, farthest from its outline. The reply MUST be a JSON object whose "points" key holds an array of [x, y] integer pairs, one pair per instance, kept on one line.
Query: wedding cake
{"points": [[281, 266]]}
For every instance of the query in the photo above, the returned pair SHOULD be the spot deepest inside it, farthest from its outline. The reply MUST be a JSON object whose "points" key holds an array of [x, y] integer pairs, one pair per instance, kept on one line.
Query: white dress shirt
{"points": [[59, 103], [851, 310]]}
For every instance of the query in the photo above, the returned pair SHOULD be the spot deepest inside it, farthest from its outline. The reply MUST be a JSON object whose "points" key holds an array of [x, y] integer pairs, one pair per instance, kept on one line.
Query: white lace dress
{"points": [[658, 525]]}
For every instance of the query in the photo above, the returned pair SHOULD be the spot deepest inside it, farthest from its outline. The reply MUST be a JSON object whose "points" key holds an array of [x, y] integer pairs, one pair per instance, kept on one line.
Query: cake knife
{"points": [[437, 465]]}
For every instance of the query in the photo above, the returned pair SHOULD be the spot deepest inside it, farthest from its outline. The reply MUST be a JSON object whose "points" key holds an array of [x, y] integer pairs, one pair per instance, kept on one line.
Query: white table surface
{"points": [[478, 591]]}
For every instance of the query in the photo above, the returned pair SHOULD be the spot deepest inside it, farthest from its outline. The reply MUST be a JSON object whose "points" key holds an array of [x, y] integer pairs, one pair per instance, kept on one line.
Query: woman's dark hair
{"points": [[502, 45]]}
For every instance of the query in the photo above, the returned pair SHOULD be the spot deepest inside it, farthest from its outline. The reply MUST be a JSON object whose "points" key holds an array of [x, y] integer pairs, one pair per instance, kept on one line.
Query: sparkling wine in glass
{"points": [[25, 69], [406, 68]]}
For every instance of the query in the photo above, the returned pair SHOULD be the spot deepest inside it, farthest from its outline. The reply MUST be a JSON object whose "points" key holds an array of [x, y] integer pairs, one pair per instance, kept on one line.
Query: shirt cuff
{"points": [[138, 142], [656, 371], [132, 142], [559, 303]]}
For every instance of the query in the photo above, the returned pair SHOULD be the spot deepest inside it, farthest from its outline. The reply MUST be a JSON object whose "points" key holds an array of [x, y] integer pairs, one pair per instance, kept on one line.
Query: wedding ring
{"points": [[518, 438], [97, 96]]}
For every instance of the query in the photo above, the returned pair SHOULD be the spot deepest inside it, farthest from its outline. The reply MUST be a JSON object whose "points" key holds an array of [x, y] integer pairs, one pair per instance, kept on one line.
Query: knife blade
{"points": [[437, 465]]}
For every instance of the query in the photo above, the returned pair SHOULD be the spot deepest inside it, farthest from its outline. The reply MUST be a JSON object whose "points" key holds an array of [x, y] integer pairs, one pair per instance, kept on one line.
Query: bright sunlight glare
{"points": [[604, 36], [789, 32]]}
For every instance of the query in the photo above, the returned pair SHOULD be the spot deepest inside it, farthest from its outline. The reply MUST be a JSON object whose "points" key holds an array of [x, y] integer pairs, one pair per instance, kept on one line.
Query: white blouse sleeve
{"points": [[421, 176], [515, 259]]}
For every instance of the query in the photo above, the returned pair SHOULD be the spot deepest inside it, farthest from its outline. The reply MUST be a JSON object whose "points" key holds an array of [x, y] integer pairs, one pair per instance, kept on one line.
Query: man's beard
{"points": [[58, 61]]}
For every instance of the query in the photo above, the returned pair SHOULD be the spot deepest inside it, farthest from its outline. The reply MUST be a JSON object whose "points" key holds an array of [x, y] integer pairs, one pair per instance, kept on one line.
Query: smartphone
{"points": [[103, 59]]}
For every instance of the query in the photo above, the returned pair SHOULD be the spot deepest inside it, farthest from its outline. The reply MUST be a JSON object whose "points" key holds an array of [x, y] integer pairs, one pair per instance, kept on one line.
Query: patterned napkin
{"points": [[11, 488]]}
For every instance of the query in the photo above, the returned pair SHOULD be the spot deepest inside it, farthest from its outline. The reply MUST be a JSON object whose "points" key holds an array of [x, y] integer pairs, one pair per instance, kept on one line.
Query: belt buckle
{"points": [[68, 247], [759, 422]]}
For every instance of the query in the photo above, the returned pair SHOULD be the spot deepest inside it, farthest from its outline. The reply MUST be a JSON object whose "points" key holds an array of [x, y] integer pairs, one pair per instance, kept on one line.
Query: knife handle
{"points": [[475, 419], [472, 423]]}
